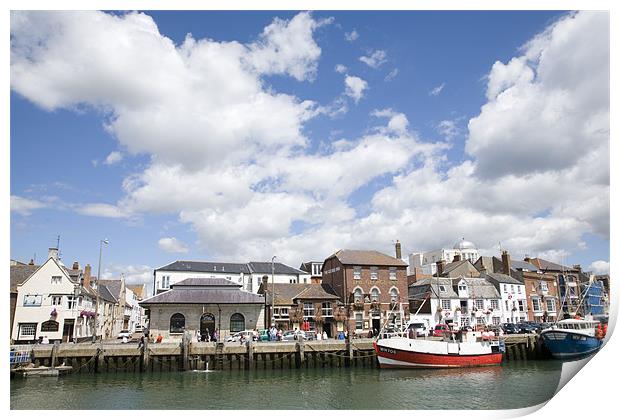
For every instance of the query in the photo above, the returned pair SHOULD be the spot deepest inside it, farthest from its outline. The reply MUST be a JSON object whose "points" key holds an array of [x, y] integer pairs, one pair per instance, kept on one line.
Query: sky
{"points": [[178, 135]]}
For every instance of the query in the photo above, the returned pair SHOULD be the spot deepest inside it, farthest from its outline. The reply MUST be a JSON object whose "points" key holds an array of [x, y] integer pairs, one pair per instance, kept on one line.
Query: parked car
{"points": [[440, 329], [526, 328], [248, 334], [124, 333], [263, 335], [510, 328], [293, 335], [310, 335]]}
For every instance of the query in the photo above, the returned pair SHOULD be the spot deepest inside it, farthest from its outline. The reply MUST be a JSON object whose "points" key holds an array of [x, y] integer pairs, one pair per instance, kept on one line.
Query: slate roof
{"points": [[550, 266], [105, 294], [19, 273], [484, 263], [523, 265], [113, 286], [365, 257], [207, 267], [420, 288], [204, 282], [278, 268], [286, 294], [502, 278], [479, 288], [204, 296]]}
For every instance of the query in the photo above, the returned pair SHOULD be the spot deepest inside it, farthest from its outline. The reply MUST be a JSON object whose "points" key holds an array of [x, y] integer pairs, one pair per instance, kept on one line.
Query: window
{"points": [[283, 312], [276, 311], [521, 305], [237, 323], [327, 309], [550, 305], [70, 302], [480, 320], [536, 304], [479, 304], [374, 295], [56, 300], [496, 320], [442, 288], [27, 331], [518, 289], [507, 308], [308, 309], [512, 288], [357, 273], [462, 288], [393, 295], [374, 275], [543, 287], [165, 282], [177, 323], [494, 304], [392, 273], [357, 295], [56, 279], [359, 321], [445, 304], [32, 300], [505, 288]]}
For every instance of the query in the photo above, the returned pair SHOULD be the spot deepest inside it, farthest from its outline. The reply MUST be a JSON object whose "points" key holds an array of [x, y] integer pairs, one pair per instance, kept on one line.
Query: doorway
{"points": [[207, 326], [67, 331], [327, 327], [376, 322]]}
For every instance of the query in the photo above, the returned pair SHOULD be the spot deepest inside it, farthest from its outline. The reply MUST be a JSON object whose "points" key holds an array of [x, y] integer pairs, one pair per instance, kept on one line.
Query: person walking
{"points": [[324, 335], [141, 342], [208, 336]]}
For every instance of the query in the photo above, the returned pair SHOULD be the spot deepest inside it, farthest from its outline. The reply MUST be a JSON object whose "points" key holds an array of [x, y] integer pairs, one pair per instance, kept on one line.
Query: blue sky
{"points": [[248, 142]]}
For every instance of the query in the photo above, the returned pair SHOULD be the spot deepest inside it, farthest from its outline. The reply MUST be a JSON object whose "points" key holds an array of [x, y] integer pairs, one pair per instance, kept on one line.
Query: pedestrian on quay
{"points": [[280, 334], [324, 335], [125, 339], [159, 338], [216, 335], [346, 334], [208, 336], [141, 342]]}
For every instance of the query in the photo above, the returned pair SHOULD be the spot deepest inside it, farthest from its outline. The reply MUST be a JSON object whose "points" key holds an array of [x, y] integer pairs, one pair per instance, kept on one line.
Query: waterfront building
{"points": [[568, 284], [199, 305], [461, 302], [372, 285], [427, 261], [512, 292], [121, 313], [315, 269], [542, 298], [293, 304], [248, 275], [593, 297], [457, 268], [54, 302], [19, 273]]}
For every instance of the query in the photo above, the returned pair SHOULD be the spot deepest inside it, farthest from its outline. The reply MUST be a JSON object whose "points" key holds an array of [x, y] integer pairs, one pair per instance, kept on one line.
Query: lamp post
{"points": [[101, 242], [273, 290]]}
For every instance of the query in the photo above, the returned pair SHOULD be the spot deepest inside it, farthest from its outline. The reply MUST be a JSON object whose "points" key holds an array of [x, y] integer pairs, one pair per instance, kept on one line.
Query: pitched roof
{"points": [[138, 289], [367, 257], [202, 282], [206, 267], [286, 293], [479, 288], [549, 266], [113, 286], [523, 265], [19, 273], [502, 278], [420, 288], [204, 296], [105, 294], [278, 268]]}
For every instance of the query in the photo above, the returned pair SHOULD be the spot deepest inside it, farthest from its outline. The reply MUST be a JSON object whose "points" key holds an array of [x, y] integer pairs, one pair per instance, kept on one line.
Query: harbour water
{"points": [[515, 384]]}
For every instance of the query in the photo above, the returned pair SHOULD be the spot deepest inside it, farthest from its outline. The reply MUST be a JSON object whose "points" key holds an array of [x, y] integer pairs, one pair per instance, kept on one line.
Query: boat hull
{"points": [[569, 344], [391, 357]]}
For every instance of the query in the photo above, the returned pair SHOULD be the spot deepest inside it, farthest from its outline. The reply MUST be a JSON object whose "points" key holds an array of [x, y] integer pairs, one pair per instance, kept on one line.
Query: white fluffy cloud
{"points": [[173, 245], [448, 129], [233, 162], [113, 158], [25, 206], [351, 36], [374, 59], [436, 90], [340, 68], [599, 267], [355, 87]]}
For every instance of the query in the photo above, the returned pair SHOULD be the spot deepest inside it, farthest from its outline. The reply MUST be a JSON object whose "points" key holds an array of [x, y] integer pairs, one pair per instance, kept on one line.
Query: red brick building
{"points": [[372, 286]]}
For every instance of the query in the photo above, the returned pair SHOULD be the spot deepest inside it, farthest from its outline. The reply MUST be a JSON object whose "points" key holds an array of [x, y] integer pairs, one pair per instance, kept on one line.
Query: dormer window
{"points": [[442, 288], [462, 288]]}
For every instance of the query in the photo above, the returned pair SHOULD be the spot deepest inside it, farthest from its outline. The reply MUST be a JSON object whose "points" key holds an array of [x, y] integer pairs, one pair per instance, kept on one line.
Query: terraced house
{"points": [[372, 286]]}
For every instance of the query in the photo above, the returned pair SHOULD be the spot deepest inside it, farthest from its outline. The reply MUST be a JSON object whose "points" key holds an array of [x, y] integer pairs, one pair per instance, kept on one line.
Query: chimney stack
{"points": [[577, 267], [31, 261], [76, 265], [398, 250], [440, 265], [53, 253], [87, 275], [527, 258], [506, 262]]}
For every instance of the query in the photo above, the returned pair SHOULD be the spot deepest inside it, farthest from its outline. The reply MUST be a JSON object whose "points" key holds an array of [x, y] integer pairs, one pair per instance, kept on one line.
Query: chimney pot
{"points": [[31, 261], [76, 265], [440, 265]]}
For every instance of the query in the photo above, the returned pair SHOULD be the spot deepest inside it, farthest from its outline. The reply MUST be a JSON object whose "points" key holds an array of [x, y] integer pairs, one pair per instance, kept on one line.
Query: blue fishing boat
{"points": [[572, 338]]}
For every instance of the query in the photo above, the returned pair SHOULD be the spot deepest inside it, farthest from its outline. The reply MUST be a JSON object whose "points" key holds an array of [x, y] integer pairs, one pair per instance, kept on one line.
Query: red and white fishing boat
{"points": [[469, 351]]}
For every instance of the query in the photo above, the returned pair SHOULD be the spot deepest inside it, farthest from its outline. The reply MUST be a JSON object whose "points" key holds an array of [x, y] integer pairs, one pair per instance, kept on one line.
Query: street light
{"points": [[101, 242], [273, 291]]}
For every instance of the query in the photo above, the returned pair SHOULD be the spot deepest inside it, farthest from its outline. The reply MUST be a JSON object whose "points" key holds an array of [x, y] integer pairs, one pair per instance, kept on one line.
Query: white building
{"points": [[513, 297], [53, 304], [248, 275], [427, 261], [459, 301]]}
